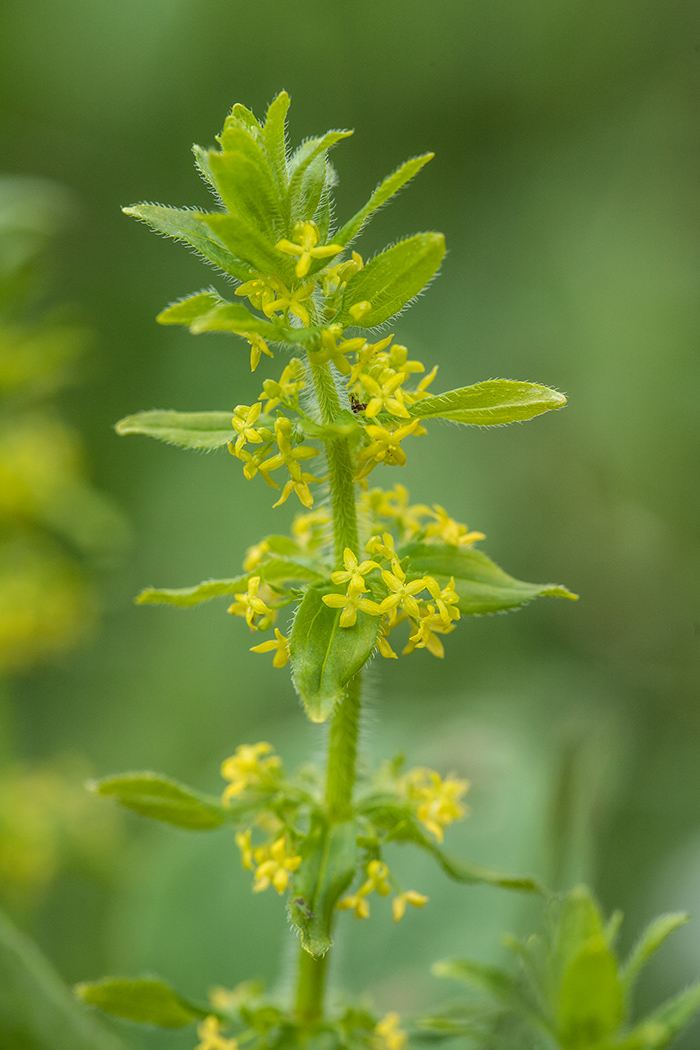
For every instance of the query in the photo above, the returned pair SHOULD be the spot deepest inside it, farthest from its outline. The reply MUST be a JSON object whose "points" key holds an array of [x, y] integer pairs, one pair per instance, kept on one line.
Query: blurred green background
{"points": [[568, 148]]}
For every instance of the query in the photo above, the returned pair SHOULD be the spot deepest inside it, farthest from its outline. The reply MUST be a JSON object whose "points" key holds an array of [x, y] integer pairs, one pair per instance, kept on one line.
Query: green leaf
{"points": [[327, 869], [325, 656], [240, 117], [649, 943], [299, 163], [345, 425], [202, 430], [390, 280], [577, 918], [273, 570], [408, 830], [248, 244], [160, 798], [245, 184], [184, 225], [201, 159], [662, 1026], [481, 585], [275, 139], [386, 189], [236, 318], [187, 310], [491, 403], [37, 1011], [146, 1000], [591, 1001], [489, 979]]}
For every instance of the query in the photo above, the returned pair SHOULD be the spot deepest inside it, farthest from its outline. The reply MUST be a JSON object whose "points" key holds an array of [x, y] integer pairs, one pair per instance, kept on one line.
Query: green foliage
{"points": [[201, 430], [164, 799], [329, 863], [571, 991], [147, 1000], [491, 403]]}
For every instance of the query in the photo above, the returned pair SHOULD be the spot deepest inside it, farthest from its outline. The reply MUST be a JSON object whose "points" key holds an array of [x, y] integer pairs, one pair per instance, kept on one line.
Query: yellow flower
{"points": [[450, 531], [377, 875], [386, 396], [389, 1035], [249, 605], [258, 346], [420, 392], [350, 603], [276, 864], [397, 358], [281, 646], [290, 457], [438, 799], [244, 845], [394, 504], [244, 416], [445, 599], [334, 276], [261, 291], [211, 1038], [381, 546], [330, 350], [383, 640], [402, 593], [425, 635], [353, 573], [366, 354], [385, 447], [398, 905], [307, 247], [360, 905], [286, 388], [255, 554], [308, 529], [247, 768], [292, 301]]}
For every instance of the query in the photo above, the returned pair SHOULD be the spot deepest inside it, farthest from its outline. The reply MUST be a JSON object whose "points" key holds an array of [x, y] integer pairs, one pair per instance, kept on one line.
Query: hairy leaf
{"points": [[184, 225], [493, 402], [202, 430], [591, 1003], [275, 139], [481, 585], [160, 798], [662, 1026], [327, 869], [247, 243], [325, 656], [185, 311], [303, 183], [386, 189], [272, 570], [245, 184], [390, 280], [146, 1000], [649, 943]]}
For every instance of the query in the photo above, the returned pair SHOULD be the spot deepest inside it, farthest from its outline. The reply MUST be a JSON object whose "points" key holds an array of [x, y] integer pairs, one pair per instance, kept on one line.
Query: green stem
{"points": [[310, 982], [342, 752]]}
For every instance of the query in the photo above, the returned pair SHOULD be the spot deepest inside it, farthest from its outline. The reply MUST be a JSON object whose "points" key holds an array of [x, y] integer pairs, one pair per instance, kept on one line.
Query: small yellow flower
{"points": [[255, 554], [258, 346], [211, 1038], [248, 604], [397, 358], [309, 529], [261, 291], [286, 388], [377, 875], [446, 599], [402, 593], [388, 1034], [421, 390], [276, 864], [359, 311], [247, 768], [366, 354], [385, 447], [292, 301], [425, 635], [383, 640], [354, 572], [335, 276], [307, 247], [412, 897], [450, 531], [385, 396], [382, 546], [438, 799], [244, 845], [281, 646], [360, 905], [244, 416], [394, 503], [350, 603]]}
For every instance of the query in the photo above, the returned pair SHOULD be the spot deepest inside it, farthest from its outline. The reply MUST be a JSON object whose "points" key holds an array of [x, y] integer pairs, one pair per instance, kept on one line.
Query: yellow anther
{"points": [[248, 604], [261, 291], [386, 396], [354, 572], [281, 646], [306, 246], [255, 555], [412, 897], [350, 603], [438, 799], [247, 768], [210, 1037], [359, 311], [385, 447], [276, 864], [388, 1035], [244, 845], [450, 531]]}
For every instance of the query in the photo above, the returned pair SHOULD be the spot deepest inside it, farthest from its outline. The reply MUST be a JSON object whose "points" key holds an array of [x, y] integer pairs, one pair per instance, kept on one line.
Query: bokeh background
{"points": [[567, 145]]}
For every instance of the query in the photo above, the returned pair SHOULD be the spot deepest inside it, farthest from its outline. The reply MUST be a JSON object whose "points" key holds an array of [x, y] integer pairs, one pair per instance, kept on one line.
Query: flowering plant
{"points": [[360, 565]]}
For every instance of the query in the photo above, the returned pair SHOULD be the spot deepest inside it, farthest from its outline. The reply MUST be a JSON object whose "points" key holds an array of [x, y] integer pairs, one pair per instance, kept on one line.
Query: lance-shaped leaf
{"points": [[481, 585], [245, 184], [325, 656], [160, 798], [273, 570], [275, 139], [386, 189], [389, 281], [37, 1011], [234, 317], [301, 186], [591, 1000], [408, 830], [184, 225], [490, 403], [146, 1000], [202, 430], [489, 979], [662, 1026], [649, 943], [329, 860], [345, 425], [247, 243], [187, 310]]}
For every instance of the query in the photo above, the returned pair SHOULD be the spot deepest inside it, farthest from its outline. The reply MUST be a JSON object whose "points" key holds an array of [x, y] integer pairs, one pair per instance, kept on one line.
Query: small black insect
{"points": [[356, 405]]}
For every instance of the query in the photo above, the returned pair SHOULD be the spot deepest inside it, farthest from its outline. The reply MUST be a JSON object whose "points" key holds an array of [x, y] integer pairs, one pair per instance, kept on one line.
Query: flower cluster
{"points": [[437, 800], [380, 880]]}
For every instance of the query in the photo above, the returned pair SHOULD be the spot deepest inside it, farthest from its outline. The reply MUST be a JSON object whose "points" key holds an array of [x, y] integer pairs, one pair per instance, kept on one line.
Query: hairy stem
{"points": [[310, 981]]}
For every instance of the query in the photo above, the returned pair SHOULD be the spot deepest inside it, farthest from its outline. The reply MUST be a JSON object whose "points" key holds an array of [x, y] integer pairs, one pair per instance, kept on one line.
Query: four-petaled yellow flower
{"points": [[385, 447], [260, 291], [366, 354], [244, 416], [402, 593], [211, 1038], [354, 572], [395, 504], [377, 875], [290, 457], [438, 799], [249, 605], [247, 768], [281, 646], [425, 635], [450, 531], [276, 864], [382, 546], [292, 301], [388, 1034], [412, 897], [286, 388], [307, 247], [445, 599], [350, 603], [385, 396]]}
